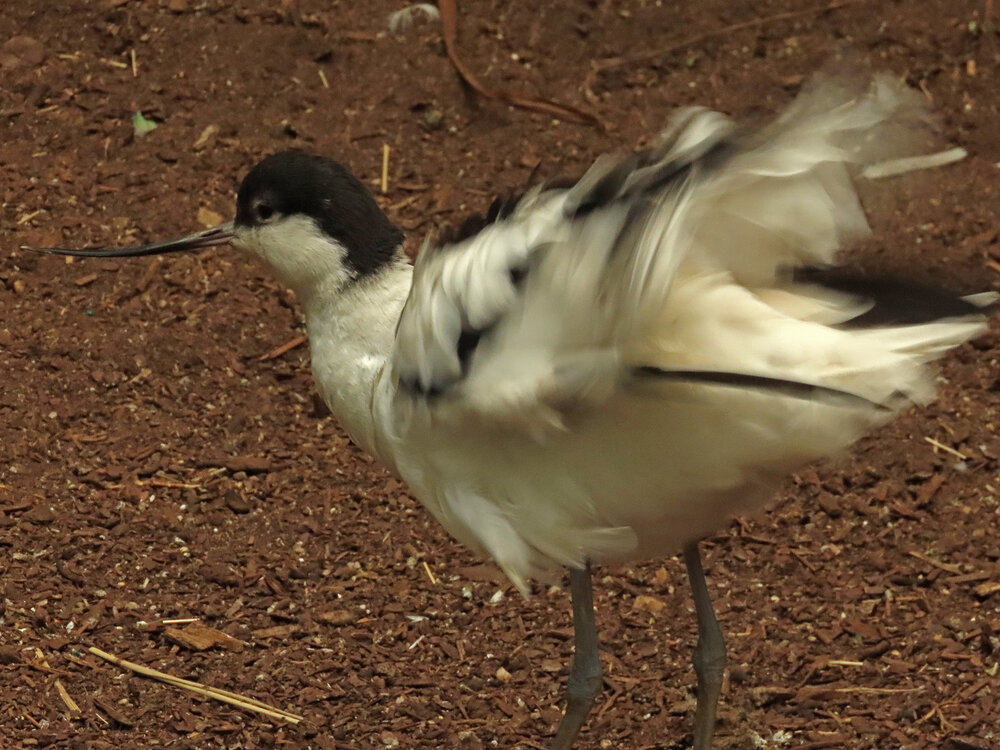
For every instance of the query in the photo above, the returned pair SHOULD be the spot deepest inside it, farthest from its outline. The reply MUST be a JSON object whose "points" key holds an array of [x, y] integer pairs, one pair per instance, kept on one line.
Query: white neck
{"points": [[351, 331]]}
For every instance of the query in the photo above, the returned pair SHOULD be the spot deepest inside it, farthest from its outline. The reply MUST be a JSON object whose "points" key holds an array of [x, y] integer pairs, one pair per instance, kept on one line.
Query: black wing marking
{"points": [[501, 208], [782, 386], [698, 139], [895, 301]]}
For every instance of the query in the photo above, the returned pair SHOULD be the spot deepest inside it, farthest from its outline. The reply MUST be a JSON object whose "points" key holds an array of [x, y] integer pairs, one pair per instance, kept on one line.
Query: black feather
{"points": [[413, 386], [501, 208], [895, 302], [609, 187], [782, 386], [517, 276], [465, 347], [649, 171], [468, 340]]}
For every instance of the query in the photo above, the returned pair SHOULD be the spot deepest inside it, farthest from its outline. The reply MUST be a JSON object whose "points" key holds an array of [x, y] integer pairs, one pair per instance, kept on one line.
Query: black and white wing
{"points": [[642, 334], [577, 290]]}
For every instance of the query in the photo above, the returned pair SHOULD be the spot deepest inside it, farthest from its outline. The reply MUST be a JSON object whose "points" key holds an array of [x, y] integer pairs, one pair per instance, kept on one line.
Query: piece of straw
{"points": [[249, 704]]}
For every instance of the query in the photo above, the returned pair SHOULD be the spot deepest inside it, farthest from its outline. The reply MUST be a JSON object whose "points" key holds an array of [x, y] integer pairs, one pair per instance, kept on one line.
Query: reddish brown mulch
{"points": [[155, 465]]}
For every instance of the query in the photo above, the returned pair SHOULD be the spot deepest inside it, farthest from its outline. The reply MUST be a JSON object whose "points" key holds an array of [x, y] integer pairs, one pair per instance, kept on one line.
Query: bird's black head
{"points": [[308, 217], [294, 183]]}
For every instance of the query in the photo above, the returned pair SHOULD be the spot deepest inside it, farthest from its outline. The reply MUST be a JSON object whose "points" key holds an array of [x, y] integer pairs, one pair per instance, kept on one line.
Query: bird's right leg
{"points": [[585, 674], [709, 654]]}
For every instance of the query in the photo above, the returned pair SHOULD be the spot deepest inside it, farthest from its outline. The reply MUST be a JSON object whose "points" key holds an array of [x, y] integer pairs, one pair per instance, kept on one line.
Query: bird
{"points": [[607, 369]]}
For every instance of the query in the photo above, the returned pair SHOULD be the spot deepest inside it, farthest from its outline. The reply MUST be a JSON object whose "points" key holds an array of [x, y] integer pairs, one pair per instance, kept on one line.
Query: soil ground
{"points": [[159, 459]]}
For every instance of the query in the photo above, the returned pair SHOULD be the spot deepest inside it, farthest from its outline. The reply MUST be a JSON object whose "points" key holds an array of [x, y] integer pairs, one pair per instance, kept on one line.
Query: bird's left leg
{"points": [[585, 674], [709, 654]]}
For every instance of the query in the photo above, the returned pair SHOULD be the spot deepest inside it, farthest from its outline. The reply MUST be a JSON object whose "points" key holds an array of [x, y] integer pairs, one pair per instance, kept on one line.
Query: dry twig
{"points": [[283, 349], [430, 573], [946, 567], [947, 449], [234, 699], [385, 168], [60, 688], [449, 24]]}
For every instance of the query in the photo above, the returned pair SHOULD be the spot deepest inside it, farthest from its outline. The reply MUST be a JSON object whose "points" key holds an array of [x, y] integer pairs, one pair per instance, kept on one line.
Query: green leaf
{"points": [[141, 125]]}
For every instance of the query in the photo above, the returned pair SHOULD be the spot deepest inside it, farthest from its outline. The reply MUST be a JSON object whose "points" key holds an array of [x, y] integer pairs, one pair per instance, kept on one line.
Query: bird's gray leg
{"points": [[709, 654], [585, 674]]}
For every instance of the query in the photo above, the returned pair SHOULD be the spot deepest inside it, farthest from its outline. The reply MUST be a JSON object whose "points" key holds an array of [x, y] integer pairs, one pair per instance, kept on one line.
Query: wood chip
{"points": [[148, 275], [336, 617], [109, 708], [278, 631], [483, 573], [209, 218], [649, 604], [207, 136], [929, 489], [199, 637], [987, 589]]}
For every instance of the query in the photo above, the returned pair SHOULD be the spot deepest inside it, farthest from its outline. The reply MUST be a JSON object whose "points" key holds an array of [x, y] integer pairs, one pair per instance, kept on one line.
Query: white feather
{"points": [[404, 19]]}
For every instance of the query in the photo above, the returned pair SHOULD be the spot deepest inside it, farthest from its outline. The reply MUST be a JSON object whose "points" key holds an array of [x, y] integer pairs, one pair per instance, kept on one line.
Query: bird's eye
{"points": [[264, 212]]}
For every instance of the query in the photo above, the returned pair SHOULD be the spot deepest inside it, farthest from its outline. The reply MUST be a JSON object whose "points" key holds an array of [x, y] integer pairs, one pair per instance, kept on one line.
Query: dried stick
{"points": [[449, 23], [283, 349], [249, 704]]}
